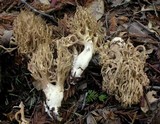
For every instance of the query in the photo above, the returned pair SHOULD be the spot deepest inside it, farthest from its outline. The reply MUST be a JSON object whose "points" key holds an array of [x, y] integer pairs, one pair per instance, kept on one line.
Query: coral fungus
{"points": [[49, 60], [90, 34], [30, 31], [46, 69], [123, 71], [41, 66]]}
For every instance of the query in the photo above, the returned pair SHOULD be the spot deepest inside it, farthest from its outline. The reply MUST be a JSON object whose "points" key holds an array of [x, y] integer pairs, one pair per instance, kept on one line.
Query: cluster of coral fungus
{"points": [[123, 71], [49, 60], [52, 57]]}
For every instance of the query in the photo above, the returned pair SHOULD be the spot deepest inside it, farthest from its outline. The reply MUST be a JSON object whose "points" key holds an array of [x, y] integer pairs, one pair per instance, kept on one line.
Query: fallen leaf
{"points": [[150, 98], [5, 39], [91, 119], [39, 116], [137, 30], [115, 2], [113, 23], [122, 19], [96, 8], [156, 119], [53, 2]]}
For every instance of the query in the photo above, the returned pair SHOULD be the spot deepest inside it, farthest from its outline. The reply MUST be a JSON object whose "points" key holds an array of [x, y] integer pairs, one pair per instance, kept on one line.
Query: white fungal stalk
{"points": [[54, 97], [89, 33], [82, 60]]}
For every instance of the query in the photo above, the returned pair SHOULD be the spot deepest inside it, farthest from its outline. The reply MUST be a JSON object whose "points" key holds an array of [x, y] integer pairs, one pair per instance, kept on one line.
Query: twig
{"points": [[154, 68], [9, 50], [41, 13], [153, 87], [146, 98], [84, 101]]}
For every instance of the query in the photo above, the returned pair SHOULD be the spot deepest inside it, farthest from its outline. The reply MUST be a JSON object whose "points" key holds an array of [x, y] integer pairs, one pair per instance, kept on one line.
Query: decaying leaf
{"points": [[113, 24], [10, 115], [5, 39], [96, 8], [151, 99], [103, 116], [91, 119]]}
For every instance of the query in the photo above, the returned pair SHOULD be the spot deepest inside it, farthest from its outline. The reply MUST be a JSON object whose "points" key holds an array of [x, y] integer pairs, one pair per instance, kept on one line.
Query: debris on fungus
{"points": [[30, 31], [90, 34], [123, 71]]}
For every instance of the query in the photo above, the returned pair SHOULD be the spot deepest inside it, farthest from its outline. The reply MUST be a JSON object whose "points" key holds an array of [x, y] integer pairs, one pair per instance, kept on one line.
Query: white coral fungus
{"points": [[89, 34]]}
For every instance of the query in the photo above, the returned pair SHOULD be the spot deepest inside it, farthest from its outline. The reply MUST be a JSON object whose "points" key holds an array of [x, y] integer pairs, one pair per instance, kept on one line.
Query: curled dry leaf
{"points": [[151, 99], [5, 39], [91, 119]]}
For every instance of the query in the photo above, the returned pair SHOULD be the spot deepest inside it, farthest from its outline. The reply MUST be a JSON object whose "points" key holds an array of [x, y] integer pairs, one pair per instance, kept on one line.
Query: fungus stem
{"points": [[54, 96], [82, 60]]}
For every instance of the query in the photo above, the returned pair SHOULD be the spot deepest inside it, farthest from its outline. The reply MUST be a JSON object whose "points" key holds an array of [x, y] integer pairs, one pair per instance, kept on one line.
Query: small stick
{"points": [[41, 13], [147, 101], [154, 68], [84, 101], [153, 87]]}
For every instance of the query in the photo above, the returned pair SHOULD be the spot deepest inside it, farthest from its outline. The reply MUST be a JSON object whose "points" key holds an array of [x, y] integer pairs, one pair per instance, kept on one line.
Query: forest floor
{"points": [[84, 102]]}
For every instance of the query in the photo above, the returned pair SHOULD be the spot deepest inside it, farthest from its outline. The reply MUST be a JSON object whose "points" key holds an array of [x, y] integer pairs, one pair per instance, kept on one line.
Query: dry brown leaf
{"points": [[91, 119], [122, 19], [116, 2], [96, 8], [105, 116], [5, 39], [150, 98], [10, 115], [156, 119], [39, 116], [113, 24]]}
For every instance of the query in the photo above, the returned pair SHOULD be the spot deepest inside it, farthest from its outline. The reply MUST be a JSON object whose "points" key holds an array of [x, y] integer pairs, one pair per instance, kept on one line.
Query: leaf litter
{"points": [[137, 22]]}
